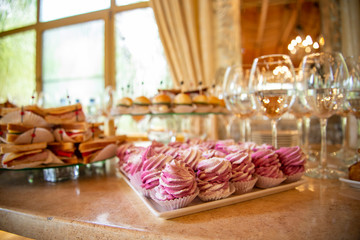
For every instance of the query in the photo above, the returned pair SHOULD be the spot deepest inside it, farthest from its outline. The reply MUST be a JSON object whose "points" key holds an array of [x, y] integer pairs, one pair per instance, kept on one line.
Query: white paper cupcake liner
{"points": [[244, 186], [293, 178], [206, 197], [178, 202], [267, 182]]}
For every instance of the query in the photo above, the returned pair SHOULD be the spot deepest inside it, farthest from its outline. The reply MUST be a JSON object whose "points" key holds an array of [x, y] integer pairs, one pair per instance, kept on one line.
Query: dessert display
{"points": [[220, 169]]}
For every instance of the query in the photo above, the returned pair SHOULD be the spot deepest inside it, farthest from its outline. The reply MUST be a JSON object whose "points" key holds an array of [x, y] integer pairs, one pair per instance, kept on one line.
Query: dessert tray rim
{"points": [[351, 183]]}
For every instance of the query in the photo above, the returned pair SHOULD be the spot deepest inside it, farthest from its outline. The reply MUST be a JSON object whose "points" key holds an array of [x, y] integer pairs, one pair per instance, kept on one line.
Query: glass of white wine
{"points": [[323, 76], [239, 101], [273, 82]]}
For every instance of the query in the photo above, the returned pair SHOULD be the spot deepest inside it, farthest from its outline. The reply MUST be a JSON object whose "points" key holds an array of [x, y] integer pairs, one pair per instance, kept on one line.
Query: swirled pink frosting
{"points": [[292, 160], [151, 169], [156, 162], [213, 175], [191, 157], [177, 180], [248, 145], [150, 178], [212, 153], [222, 145], [214, 170], [171, 151], [267, 163], [121, 152], [133, 159], [242, 166]]}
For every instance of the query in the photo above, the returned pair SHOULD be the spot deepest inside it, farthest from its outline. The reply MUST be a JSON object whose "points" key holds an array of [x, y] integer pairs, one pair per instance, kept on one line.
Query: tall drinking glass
{"points": [[323, 77], [239, 101], [272, 80]]}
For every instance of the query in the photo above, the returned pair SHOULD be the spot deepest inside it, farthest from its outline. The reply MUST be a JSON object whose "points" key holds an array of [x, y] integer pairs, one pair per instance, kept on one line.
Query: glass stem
{"points": [[323, 152], [243, 130], [299, 125], [306, 131], [345, 143], [248, 129], [274, 133]]}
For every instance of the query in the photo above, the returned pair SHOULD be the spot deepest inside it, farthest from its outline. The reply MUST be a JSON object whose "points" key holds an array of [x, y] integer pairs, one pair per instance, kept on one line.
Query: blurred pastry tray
{"points": [[198, 206]]}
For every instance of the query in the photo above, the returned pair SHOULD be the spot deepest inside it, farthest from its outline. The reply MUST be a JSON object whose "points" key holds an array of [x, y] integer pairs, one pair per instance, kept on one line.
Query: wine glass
{"points": [[323, 75], [353, 91], [239, 100], [272, 80]]}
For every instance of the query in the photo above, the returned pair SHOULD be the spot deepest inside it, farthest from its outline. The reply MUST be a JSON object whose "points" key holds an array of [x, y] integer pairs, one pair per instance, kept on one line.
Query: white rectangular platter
{"points": [[197, 205]]}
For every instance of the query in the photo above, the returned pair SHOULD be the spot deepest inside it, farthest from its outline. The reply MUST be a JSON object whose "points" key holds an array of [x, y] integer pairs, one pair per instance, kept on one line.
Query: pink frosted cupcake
{"points": [[213, 177], [150, 173], [293, 161], [267, 168], [242, 173], [133, 160], [177, 186]]}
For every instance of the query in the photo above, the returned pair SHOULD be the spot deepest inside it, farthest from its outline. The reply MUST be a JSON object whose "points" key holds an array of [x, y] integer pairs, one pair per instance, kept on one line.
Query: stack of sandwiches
{"points": [[35, 137]]}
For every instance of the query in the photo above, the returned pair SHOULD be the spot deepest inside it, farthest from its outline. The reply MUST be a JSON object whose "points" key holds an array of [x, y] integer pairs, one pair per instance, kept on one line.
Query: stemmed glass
{"points": [[323, 75], [353, 90], [272, 80], [238, 98]]}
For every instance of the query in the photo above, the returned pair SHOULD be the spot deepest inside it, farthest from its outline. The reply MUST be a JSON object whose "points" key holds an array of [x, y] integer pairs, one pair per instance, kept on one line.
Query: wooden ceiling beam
{"points": [[261, 28]]}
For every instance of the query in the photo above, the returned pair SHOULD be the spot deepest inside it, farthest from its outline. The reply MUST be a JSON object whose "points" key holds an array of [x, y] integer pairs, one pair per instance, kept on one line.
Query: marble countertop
{"points": [[102, 206]]}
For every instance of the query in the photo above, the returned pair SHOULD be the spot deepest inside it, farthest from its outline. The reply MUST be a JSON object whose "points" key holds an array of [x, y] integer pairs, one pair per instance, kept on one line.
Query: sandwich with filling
{"points": [[65, 114], [23, 134], [161, 103], [100, 149], [75, 132], [27, 156]]}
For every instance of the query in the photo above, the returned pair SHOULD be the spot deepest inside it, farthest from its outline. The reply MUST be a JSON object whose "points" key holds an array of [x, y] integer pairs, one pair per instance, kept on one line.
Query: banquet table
{"points": [[102, 205]]}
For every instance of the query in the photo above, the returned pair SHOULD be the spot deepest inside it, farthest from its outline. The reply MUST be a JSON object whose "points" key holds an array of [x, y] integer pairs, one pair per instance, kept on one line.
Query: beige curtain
{"points": [[350, 26], [186, 31]]}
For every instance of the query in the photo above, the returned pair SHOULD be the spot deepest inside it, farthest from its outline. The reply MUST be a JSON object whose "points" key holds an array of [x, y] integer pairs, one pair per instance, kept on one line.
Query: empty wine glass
{"points": [[272, 80], [239, 100], [323, 75], [353, 91]]}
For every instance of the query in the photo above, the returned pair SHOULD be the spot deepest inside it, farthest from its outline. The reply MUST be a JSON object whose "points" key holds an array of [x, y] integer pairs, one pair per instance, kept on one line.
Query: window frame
{"points": [[109, 39]]}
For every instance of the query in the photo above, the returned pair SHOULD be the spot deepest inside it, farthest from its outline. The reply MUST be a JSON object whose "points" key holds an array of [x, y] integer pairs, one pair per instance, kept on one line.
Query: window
{"points": [[76, 51], [139, 54], [17, 67], [73, 57], [56, 9]]}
